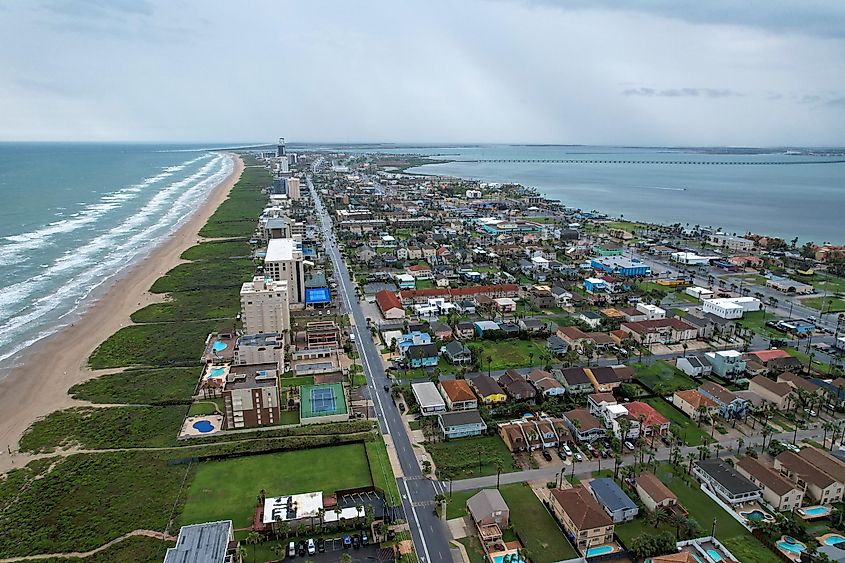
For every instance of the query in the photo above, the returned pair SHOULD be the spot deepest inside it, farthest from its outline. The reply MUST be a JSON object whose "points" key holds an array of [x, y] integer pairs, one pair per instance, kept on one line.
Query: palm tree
{"points": [[739, 444], [766, 432], [253, 539], [690, 457], [499, 467], [679, 521], [718, 447]]}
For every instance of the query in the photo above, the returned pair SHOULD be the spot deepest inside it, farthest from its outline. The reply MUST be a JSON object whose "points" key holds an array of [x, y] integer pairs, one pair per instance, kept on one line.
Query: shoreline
{"points": [[39, 382]]}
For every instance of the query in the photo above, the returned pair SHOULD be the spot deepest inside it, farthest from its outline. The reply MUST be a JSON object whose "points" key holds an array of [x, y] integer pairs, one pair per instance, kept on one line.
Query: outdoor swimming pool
{"points": [[216, 372], [816, 511], [514, 558], [203, 426], [833, 539], [219, 346], [600, 550], [755, 515], [714, 555], [790, 544]]}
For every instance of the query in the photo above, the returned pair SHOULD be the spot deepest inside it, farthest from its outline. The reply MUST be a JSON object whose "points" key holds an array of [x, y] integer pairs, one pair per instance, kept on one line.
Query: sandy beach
{"points": [[39, 385]]}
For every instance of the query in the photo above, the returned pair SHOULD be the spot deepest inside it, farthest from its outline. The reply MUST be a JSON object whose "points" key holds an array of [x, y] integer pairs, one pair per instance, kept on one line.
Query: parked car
{"points": [[567, 450], [364, 539], [595, 453], [321, 545], [311, 546], [301, 548], [292, 549], [401, 407], [605, 454], [629, 445], [356, 541], [347, 542], [561, 454], [578, 456], [546, 455], [387, 388]]}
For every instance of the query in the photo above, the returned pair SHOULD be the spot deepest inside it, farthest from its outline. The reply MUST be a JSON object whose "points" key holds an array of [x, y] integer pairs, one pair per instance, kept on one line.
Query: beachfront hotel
{"points": [[284, 262], [265, 306]]}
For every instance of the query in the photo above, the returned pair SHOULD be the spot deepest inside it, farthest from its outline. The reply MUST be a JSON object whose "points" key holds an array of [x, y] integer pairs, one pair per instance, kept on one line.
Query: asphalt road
{"points": [[549, 473], [427, 530]]}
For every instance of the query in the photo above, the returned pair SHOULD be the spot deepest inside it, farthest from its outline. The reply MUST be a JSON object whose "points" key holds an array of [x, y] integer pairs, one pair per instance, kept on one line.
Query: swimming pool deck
{"points": [[813, 512], [188, 430], [831, 539]]}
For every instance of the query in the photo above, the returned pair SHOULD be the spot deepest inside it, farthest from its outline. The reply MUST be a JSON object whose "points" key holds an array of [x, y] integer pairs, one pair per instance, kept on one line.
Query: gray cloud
{"points": [[836, 102], [681, 92]]}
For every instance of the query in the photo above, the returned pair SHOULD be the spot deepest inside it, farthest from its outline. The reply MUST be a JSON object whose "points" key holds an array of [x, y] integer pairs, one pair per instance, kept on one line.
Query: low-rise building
{"points": [[780, 492], [730, 404], [211, 542], [457, 353], [585, 522], [458, 395], [488, 390], [820, 485], [653, 493], [692, 403], [251, 396], [725, 481], [428, 398], [322, 334], [460, 424], [694, 366], [660, 331], [727, 364], [584, 426], [389, 305], [779, 394], [613, 500]]}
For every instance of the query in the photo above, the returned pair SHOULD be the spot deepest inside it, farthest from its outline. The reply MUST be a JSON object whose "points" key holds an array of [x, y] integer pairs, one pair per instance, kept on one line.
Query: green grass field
{"points": [[139, 386], [236, 216], [218, 250], [140, 549], [539, 532], [459, 459], [382, 471], [177, 344], [662, 377], [191, 306], [756, 321], [228, 489], [685, 427], [829, 304], [510, 353]]}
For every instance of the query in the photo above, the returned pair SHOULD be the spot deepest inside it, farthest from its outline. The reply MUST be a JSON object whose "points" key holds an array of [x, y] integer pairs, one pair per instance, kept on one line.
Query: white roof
{"points": [[729, 353], [427, 395], [306, 505], [595, 280], [404, 277], [617, 410], [280, 250], [505, 301]]}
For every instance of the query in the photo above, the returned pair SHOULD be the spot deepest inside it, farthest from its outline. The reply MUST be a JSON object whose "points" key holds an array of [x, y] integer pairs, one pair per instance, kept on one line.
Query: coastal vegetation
{"points": [[218, 250], [174, 344], [235, 218], [135, 548], [139, 386], [471, 457], [662, 377]]}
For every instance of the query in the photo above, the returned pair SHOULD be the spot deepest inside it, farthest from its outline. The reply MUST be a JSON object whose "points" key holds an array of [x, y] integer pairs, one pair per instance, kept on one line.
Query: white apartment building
{"points": [[284, 262], [652, 312], [265, 306], [730, 307], [293, 188], [262, 348]]}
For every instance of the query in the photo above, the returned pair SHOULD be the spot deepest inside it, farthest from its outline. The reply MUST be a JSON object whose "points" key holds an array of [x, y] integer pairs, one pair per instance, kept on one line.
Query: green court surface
{"points": [[322, 400]]}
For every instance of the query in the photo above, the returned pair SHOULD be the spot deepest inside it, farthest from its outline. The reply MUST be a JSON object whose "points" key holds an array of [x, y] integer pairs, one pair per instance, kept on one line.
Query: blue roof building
{"points": [[613, 500], [621, 266]]}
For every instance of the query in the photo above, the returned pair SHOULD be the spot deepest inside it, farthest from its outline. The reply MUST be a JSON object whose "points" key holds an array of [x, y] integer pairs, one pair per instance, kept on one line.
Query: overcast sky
{"points": [[720, 72]]}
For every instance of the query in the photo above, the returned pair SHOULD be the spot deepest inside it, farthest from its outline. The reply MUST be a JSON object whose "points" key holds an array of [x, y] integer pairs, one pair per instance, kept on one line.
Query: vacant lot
{"points": [[228, 489], [174, 344], [684, 427], [829, 304], [662, 377], [470, 457], [510, 353], [139, 386]]}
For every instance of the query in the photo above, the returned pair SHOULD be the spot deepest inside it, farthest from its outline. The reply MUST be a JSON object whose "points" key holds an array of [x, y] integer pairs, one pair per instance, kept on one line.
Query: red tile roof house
{"points": [[389, 305], [651, 419]]}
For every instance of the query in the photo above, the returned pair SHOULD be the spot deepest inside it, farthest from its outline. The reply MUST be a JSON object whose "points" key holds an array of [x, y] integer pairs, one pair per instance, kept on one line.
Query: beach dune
{"points": [[40, 383]]}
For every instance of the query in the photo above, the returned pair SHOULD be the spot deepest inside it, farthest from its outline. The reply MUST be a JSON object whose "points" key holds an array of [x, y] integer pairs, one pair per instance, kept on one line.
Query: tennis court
{"points": [[318, 401]]}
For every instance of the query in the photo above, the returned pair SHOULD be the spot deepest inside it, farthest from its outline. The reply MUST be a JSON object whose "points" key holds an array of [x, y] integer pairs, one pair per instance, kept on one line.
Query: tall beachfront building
{"points": [[265, 306], [293, 189], [284, 262]]}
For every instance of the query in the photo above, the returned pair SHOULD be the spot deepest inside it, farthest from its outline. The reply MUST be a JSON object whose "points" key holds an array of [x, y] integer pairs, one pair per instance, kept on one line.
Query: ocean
{"points": [[777, 192], [75, 215]]}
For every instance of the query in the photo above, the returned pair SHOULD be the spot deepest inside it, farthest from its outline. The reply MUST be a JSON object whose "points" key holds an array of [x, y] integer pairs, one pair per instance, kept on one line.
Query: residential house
{"points": [[457, 353], [441, 331], [542, 298], [797, 382], [730, 405], [488, 508], [546, 384], [823, 484], [690, 401], [458, 395], [654, 494], [778, 491], [533, 327], [504, 305], [460, 424], [591, 318], [563, 298], [613, 500], [484, 327], [422, 355], [604, 378], [727, 364], [573, 336], [428, 398], [556, 345], [486, 388], [576, 380], [780, 394], [650, 420], [584, 520], [517, 387], [596, 285], [465, 330], [694, 366], [584, 426], [725, 481], [598, 402]]}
